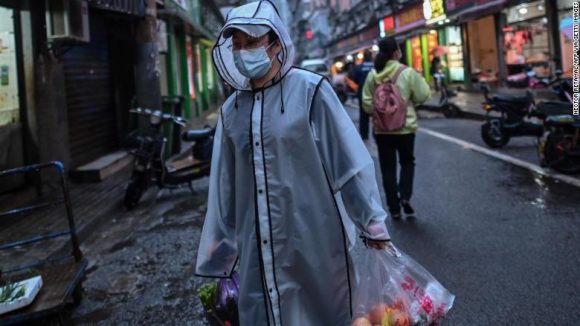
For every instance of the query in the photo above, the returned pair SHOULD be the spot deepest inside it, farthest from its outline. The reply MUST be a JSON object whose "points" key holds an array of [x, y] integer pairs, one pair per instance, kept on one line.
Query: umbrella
{"points": [[566, 27]]}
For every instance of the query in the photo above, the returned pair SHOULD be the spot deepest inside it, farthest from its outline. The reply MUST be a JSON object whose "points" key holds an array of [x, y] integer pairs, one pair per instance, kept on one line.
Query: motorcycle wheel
{"points": [[135, 190], [451, 111], [556, 154], [493, 135]]}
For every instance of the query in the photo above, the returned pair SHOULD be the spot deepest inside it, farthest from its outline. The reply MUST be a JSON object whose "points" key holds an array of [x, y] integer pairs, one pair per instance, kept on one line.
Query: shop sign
{"points": [[433, 10], [456, 5], [387, 26], [409, 18]]}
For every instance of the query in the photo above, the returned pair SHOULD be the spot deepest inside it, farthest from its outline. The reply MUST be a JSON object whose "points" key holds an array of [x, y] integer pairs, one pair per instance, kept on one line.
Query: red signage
{"points": [[387, 26]]}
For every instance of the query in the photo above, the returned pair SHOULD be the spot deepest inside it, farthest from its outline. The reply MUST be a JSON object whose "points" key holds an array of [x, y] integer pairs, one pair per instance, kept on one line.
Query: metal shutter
{"points": [[91, 106]]}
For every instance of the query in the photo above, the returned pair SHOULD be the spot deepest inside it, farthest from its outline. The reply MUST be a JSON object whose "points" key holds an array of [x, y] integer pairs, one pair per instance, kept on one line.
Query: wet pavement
{"points": [[500, 237], [142, 263]]}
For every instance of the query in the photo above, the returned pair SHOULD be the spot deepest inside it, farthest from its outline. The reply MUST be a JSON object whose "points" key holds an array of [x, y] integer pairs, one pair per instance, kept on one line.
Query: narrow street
{"points": [[101, 96], [504, 242]]}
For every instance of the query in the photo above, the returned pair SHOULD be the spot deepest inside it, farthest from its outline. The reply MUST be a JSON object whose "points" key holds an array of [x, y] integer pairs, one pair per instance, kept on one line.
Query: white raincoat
{"points": [[290, 180]]}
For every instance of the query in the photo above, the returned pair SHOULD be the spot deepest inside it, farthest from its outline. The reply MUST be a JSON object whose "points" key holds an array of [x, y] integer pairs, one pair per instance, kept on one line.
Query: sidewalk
{"points": [[90, 202]]}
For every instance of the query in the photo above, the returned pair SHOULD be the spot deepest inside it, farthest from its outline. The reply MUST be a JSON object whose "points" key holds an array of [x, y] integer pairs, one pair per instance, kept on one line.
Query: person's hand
{"points": [[378, 244]]}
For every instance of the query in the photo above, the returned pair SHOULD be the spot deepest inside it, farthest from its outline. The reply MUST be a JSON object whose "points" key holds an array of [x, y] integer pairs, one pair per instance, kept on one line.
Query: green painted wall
{"points": [[204, 72], [426, 63], [184, 76], [409, 53]]}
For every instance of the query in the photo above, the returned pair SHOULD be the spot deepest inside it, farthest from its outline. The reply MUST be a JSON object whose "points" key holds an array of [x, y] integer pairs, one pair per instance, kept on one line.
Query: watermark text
{"points": [[576, 58]]}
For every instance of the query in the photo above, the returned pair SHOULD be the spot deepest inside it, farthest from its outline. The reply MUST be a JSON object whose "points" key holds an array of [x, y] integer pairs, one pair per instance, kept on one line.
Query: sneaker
{"points": [[396, 215], [407, 208]]}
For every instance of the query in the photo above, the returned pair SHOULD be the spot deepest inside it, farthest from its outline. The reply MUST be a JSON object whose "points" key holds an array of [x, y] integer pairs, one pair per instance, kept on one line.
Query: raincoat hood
{"points": [[259, 13]]}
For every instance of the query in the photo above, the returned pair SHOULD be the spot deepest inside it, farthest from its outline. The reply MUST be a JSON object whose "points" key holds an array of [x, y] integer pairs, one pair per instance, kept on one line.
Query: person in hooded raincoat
{"points": [[290, 182]]}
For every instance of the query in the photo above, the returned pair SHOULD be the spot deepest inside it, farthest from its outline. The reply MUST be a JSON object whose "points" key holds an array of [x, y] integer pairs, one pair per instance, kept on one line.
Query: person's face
{"points": [[243, 41]]}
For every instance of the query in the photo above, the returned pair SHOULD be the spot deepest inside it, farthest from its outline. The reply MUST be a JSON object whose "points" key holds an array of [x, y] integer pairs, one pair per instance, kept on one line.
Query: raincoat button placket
{"points": [[260, 174]]}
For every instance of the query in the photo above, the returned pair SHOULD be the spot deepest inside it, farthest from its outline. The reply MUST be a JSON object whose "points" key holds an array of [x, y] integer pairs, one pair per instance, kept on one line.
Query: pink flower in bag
{"points": [[427, 304], [408, 283]]}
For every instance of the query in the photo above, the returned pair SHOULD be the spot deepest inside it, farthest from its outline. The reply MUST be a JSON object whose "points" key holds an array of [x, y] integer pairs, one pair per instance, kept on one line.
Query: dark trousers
{"points": [[389, 146], [363, 120]]}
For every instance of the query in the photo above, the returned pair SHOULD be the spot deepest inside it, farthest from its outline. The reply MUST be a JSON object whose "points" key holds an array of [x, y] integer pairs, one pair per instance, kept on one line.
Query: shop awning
{"points": [[479, 11], [195, 28]]}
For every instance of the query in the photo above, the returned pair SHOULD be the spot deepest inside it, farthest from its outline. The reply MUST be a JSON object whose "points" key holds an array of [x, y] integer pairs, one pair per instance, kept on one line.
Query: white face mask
{"points": [[253, 63]]}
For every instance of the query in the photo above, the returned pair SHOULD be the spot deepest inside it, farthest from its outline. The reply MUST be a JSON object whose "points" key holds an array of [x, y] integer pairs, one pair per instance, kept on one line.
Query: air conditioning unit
{"points": [[67, 20]]}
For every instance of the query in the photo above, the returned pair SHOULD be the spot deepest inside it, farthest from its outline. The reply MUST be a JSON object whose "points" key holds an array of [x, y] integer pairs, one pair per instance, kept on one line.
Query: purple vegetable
{"points": [[227, 299]]}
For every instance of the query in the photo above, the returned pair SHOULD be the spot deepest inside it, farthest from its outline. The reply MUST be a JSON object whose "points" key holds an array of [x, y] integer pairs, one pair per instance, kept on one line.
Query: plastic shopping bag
{"points": [[394, 290]]}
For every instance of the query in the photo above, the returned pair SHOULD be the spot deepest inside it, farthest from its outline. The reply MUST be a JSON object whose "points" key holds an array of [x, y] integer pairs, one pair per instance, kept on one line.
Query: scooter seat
{"points": [[549, 108], [517, 99], [193, 135]]}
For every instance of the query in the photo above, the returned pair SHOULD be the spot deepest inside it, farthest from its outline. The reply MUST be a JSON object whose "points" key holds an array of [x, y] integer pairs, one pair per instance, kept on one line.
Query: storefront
{"points": [[483, 53], [455, 55], [349, 51], [406, 21], [11, 128], [565, 28], [526, 39], [9, 104], [187, 67]]}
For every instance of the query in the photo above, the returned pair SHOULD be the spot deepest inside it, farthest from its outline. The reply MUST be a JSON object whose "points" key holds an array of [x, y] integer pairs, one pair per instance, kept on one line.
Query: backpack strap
{"points": [[397, 73]]}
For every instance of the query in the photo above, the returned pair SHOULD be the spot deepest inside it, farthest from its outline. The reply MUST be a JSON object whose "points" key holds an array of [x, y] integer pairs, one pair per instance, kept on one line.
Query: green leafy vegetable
{"points": [[207, 294], [11, 292]]}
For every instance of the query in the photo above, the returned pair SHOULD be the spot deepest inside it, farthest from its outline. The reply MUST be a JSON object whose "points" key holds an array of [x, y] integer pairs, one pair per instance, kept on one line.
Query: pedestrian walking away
{"points": [[413, 90], [287, 160], [359, 76]]}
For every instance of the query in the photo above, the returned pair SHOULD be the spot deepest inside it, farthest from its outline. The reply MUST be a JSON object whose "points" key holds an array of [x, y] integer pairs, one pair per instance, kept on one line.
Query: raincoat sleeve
{"points": [[368, 91], [347, 163], [217, 252]]}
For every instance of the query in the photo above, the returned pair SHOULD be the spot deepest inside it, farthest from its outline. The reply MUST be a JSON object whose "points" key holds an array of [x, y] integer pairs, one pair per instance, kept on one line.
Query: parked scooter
{"points": [[151, 166], [517, 114], [448, 109], [514, 120], [559, 147]]}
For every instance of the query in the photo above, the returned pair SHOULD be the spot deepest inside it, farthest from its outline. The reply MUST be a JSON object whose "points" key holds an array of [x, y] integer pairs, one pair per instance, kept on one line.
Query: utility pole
{"points": [[147, 84]]}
